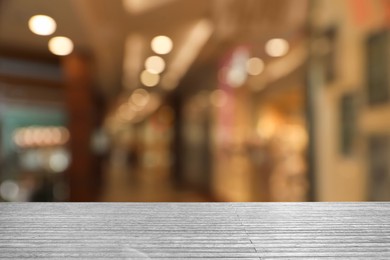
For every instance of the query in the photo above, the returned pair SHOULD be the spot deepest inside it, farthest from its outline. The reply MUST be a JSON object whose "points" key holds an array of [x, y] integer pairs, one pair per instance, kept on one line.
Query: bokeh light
{"points": [[254, 66], [162, 44], [140, 97], [236, 77], [42, 25], [149, 79], [40, 136], [61, 46], [126, 112], [155, 64], [277, 47], [59, 161], [9, 190]]}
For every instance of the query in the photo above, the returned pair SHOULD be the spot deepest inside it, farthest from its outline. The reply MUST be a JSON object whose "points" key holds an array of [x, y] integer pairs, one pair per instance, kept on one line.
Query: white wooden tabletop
{"points": [[195, 230]]}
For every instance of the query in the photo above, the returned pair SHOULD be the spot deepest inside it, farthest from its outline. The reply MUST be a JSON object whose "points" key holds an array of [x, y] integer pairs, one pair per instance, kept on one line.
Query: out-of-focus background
{"points": [[194, 100]]}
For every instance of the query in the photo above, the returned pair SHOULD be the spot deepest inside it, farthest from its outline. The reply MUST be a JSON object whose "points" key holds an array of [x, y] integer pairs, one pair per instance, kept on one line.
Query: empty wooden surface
{"points": [[195, 230]]}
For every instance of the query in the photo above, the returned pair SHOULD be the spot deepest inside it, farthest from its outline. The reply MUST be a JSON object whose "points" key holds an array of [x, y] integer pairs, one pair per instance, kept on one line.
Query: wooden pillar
{"points": [[81, 123]]}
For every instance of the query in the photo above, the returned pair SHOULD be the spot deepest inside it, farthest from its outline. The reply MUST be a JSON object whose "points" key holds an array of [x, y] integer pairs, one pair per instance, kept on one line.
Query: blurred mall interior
{"points": [[194, 100]]}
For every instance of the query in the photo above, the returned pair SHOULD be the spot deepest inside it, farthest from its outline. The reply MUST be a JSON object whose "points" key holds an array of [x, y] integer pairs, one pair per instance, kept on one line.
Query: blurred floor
{"points": [[121, 186]]}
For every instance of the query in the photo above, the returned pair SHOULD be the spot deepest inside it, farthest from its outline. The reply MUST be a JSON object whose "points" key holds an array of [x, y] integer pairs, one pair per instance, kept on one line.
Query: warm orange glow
{"points": [[65, 135], [218, 98], [142, 6], [55, 135], [40, 136]]}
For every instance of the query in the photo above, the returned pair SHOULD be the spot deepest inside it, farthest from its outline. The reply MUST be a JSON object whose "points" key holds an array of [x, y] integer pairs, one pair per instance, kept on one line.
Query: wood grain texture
{"points": [[195, 230]]}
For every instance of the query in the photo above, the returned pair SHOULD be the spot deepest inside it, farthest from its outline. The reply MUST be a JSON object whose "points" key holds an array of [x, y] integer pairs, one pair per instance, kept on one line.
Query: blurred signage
{"points": [[232, 74]]}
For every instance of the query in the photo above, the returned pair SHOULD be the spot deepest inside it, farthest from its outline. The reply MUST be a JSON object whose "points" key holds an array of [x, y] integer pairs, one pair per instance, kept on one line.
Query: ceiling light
{"points": [[42, 25], [59, 161], [140, 97], [142, 6], [162, 44], [277, 47], [254, 66], [61, 46], [155, 64], [236, 77], [149, 79], [125, 112]]}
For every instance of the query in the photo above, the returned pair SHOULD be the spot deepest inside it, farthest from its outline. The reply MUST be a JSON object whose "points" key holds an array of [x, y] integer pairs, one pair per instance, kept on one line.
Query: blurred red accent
{"points": [[386, 5], [362, 11]]}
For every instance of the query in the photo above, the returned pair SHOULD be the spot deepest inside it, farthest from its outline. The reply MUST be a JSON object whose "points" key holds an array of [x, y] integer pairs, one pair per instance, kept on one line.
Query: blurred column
{"points": [[314, 82], [82, 113], [177, 144]]}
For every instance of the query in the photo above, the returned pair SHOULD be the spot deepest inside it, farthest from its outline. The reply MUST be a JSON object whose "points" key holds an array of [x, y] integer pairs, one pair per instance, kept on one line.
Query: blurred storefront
{"points": [[34, 137], [259, 132], [350, 86]]}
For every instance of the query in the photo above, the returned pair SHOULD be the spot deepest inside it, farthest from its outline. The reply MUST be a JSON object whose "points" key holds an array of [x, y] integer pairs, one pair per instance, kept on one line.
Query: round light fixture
{"points": [[236, 77], [254, 66], [125, 112], [42, 25], [140, 97], [149, 79], [155, 64], [162, 44], [61, 46], [59, 161], [277, 47]]}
